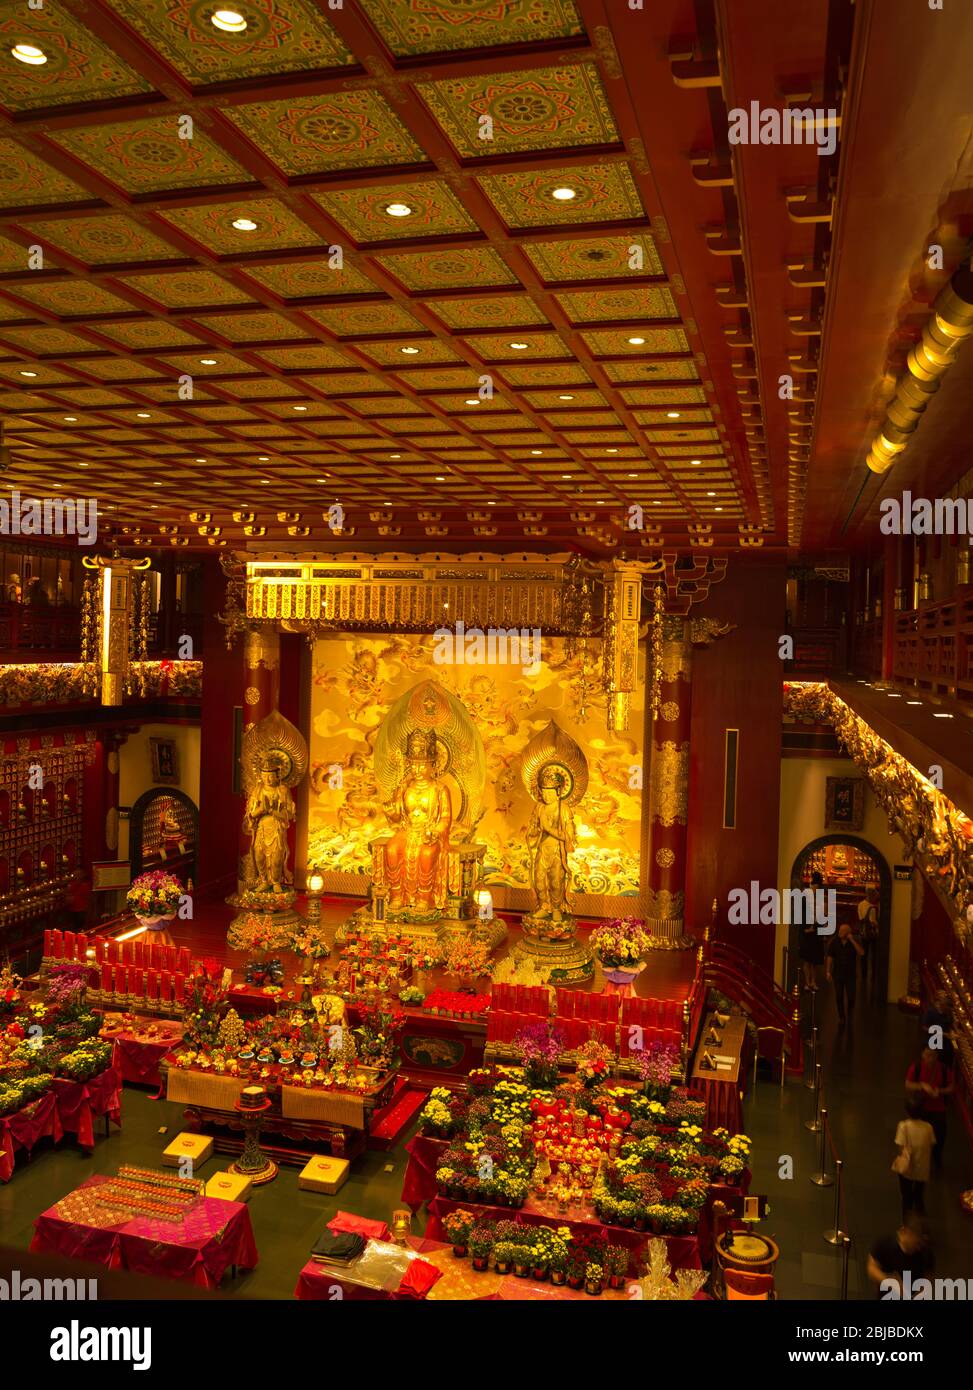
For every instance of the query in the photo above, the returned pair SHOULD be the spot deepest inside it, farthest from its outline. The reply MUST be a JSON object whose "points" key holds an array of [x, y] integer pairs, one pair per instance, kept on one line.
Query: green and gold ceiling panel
{"points": [[680, 451], [319, 134], [682, 417], [664, 395], [226, 363], [386, 405], [347, 320], [674, 436], [148, 156], [281, 36], [603, 258], [144, 333], [497, 347], [251, 328], [91, 396], [488, 311], [78, 67], [673, 369], [314, 356], [614, 437], [590, 419], [623, 444], [25, 181], [449, 268], [47, 340], [104, 240], [433, 211], [644, 302], [66, 297], [412, 27], [457, 405], [389, 355], [342, 383], [546, 374], [14, 257], [165, 392], [225, 414], [504, 420], [601, 193], [186, 289], [654, 340], [439, 378], [19, 400], [542, 109], [212, 226], [304, 279], [552, 400], [255, 387]]}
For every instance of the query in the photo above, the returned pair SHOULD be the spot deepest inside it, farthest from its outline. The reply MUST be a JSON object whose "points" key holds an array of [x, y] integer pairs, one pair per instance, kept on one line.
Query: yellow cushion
{"points": [[323, 1173], [232, 1187], [198, 1147]]}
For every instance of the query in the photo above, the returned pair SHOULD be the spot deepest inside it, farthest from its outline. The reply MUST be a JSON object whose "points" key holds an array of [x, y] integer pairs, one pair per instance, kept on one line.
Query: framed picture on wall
{"points": [[844, 803], [165, 760]]}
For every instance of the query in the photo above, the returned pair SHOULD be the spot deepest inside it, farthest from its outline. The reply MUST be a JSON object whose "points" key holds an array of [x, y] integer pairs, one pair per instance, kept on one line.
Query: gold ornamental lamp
{"points": [[114, 626]]}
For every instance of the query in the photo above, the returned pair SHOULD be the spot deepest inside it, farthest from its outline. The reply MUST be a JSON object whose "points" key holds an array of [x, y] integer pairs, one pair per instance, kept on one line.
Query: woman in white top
{"points": [[915, 1139]]}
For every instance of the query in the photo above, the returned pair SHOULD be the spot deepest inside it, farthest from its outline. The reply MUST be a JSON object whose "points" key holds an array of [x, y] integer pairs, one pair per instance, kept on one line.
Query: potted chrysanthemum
{"points": [[154, 898]]}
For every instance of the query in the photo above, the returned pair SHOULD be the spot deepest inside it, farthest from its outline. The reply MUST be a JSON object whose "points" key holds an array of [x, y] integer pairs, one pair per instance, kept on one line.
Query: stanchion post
{"points": [[814, 1123], [836, 1235], [785, 968], [811, 1081], [845, 1250], [823, 1178]]}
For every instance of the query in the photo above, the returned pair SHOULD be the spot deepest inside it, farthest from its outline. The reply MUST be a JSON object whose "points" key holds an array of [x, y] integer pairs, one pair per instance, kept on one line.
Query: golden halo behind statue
{"points": [[273, 742], [430, 708], [553, 750]]}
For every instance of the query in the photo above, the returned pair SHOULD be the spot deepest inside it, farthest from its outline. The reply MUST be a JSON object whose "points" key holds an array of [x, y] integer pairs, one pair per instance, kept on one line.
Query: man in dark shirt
{"points": [[891, 1256], [840, 965]]}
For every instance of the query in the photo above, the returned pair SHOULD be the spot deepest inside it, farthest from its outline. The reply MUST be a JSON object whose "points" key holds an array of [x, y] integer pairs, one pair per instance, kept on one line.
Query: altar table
{"points": [[198, 1250], [68, 1107], [137, 1058]]}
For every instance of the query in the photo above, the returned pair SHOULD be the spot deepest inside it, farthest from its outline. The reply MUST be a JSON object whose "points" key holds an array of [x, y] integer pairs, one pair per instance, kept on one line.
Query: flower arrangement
{"points": [[594, 1062], [411, 995], [540, 1046], [377, 1034], [309, 943], [265, 899], [438, 1116], [205, 1000], [256, 934], [656, 1065], [458, 1225], [619, 944], [155, 894], [468, 958], [86, 1060], [9, 989]]}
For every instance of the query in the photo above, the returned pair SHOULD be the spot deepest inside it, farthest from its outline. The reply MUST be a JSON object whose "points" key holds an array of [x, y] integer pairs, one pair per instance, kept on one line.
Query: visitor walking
{"points": [[840, 965], [889, 1258], [929, 1083], [868, 931], [936, 1030], [915, 1140]]}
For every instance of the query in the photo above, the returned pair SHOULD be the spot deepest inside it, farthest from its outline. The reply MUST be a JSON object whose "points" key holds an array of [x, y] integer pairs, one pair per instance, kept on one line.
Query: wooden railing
{"points": [[934, 647]]}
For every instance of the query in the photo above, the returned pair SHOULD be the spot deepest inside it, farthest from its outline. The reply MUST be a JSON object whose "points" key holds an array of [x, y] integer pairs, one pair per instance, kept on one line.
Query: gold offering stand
{"points": [[253, 1163]]}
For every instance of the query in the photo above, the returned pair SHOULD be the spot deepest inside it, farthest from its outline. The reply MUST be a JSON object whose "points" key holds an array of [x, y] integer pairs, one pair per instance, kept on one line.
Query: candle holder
{"points": [[253, 1163], [401, 1225]]}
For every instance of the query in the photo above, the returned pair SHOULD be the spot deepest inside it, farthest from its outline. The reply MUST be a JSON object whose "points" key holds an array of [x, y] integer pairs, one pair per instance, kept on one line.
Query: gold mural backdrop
{"points": [[354, 682]]}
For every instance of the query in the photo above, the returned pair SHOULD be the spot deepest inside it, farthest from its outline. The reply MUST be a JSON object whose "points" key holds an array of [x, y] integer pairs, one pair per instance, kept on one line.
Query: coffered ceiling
{"points": [[472, 268]]}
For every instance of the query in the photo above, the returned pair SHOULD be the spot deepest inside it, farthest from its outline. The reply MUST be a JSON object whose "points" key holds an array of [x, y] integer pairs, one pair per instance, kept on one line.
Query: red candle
{"points": [[166, 992], [82, 947], [99, 949], [185, 964], [180, 983], [48, 941], [106, 980], [69, 945], [128, 952], [152, 984]]}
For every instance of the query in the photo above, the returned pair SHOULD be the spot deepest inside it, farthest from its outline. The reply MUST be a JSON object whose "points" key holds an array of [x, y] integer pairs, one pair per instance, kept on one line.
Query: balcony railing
{"points": [[934, 647]]}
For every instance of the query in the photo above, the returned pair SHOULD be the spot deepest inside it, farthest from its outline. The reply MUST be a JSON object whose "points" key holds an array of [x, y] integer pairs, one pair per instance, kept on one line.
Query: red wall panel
{"points": [[220, 811], [737, 684]]}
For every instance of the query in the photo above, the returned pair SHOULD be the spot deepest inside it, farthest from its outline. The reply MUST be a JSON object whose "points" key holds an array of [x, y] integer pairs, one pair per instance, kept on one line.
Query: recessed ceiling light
{"points": [[519, 347], [322, 480], [263, 458], [156, 484], [208, 361], [300, 407], [636, 342], [265, 480], [491, 504], [28, 373], [566, 476], [717, 509], [908, 702], [473, 400], [672, 414], [940, 715], [230, 21], [695, 462], [564, 195], [244, 224], [657, 504], [409, 351], [395, 456], [200, 460], [537, 451], [565, 398], [440, 477], [27, 53], [599, 504], [633, 475], [143, 415], [71, 419], [611, 451], [398, 210], [711, 494]]}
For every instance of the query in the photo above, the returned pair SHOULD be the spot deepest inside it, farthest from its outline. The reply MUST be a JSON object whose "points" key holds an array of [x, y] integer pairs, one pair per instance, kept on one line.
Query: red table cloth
{"points": [[23, 1128], [419, 1184], [137, 1058], [197, 1250], [318, 1283], [80, 1103], [683, 1251]]}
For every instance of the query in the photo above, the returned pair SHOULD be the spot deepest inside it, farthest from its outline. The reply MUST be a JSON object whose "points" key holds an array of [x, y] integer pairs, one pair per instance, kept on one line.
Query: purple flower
{"points": [[656, 1063], [539, 1042]]}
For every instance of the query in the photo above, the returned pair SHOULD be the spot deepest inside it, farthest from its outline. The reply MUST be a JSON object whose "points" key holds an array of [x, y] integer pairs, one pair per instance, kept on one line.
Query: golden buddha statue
{"points": [[550, 838], [270, 810], [417, 853]]}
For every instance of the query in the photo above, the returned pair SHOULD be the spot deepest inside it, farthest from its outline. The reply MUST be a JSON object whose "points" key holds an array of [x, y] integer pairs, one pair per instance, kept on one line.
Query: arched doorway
{"points": [[849, 865], [164, 834]]}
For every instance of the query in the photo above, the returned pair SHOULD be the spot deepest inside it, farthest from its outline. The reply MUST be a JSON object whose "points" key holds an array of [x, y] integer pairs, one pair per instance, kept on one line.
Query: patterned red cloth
{"points": [[137, 1059], [451, 1001], [197, 1250], [419, 1184], [69, 1107], [23, 1128], [347, 1221]]}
